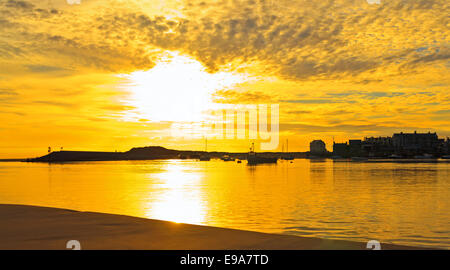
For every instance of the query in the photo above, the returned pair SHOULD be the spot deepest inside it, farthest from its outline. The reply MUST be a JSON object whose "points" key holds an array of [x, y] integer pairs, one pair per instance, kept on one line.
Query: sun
{"points": [[177, 89]]}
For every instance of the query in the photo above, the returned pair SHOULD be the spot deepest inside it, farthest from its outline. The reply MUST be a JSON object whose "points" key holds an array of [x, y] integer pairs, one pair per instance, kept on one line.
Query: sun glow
{"points": [[177, 89]]}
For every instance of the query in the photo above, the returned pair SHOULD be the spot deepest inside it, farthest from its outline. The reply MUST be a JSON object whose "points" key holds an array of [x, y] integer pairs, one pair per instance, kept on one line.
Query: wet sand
{"points": [[42, 228]]}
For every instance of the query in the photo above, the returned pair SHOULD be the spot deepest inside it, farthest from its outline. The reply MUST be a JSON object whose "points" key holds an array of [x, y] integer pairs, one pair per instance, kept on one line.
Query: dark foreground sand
{"points": [[31, 227]]}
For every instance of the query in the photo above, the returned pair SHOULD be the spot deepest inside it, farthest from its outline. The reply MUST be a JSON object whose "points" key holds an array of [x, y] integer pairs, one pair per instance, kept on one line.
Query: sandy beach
{"points": [[42, 228]]}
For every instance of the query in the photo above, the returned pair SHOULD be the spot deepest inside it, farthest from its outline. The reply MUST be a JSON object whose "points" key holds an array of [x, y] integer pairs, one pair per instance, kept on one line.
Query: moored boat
{"points": [[227, 158], [253, 159], [205, 156], [359, 159], [424, 156], [287, 157]]}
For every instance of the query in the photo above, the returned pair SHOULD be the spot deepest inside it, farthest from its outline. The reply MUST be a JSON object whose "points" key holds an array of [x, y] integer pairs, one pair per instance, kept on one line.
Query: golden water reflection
{"points": [[179, 198], [406, 204]]}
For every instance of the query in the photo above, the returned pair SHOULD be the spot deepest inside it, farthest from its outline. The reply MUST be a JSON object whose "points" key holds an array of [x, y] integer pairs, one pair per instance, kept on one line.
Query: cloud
{"points": [[117, 108], [305, 40], [24, 5], [336, 65], [235, 97], [7, 96], [442, 112], [299, 112], [56, 103], [348, 128], [365, 94], [314, 101], [7, 92], [43, 68]]}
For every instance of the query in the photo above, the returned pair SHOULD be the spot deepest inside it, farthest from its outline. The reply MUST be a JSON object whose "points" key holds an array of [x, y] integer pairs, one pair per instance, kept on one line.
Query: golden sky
{"points": [[114, 74]]}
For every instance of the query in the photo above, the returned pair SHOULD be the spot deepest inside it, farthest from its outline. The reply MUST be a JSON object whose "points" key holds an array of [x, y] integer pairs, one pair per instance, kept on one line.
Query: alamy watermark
{"points": [[73, 2], [373, 245], [288, 4], [73, 245], [76, 245], [253, 122]]}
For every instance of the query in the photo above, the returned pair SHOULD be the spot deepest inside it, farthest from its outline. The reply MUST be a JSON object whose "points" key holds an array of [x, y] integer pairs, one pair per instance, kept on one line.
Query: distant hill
{"points": [[12, 160], [151, 151], [142, 153], [65, 156]]}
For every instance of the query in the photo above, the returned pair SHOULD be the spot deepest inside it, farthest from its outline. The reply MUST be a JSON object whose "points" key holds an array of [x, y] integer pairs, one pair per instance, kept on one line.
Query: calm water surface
{"points": [[390, 202]]}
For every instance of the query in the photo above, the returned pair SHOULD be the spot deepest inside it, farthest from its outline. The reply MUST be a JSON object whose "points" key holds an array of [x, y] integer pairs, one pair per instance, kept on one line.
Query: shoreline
{"points": [[24, 227], [370, 160]]}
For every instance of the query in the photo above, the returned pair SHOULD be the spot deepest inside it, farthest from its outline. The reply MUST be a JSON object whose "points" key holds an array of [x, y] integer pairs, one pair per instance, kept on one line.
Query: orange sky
{"points": [[111, 75]]}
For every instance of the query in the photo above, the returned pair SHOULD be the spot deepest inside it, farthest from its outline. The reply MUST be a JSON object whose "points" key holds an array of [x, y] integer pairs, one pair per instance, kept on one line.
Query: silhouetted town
{"points": [[400, 145]]}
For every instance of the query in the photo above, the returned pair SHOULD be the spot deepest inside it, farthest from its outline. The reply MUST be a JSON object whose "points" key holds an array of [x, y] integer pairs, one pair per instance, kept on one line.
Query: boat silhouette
{"points": [[227, 158], [205, 156], [286, 155], [253, 159]]}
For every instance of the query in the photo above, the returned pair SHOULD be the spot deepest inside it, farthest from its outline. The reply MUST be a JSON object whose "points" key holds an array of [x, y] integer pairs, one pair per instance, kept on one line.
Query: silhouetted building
{"points": [[404, 145], [317, 147], [355, 147], [377, 147], [341, 149], [446, 147], [416, 143], [378, 140]]}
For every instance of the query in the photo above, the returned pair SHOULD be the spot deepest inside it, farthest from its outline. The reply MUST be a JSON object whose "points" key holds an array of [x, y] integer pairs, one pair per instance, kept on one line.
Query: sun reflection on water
{"points": [[180, 198]]}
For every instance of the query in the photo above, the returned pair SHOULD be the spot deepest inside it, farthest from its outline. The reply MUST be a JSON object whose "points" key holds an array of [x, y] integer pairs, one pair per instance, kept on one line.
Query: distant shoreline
{"points": [[13, 160], [370, 160], [161, 153], [148, 153], [42, 228]]}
